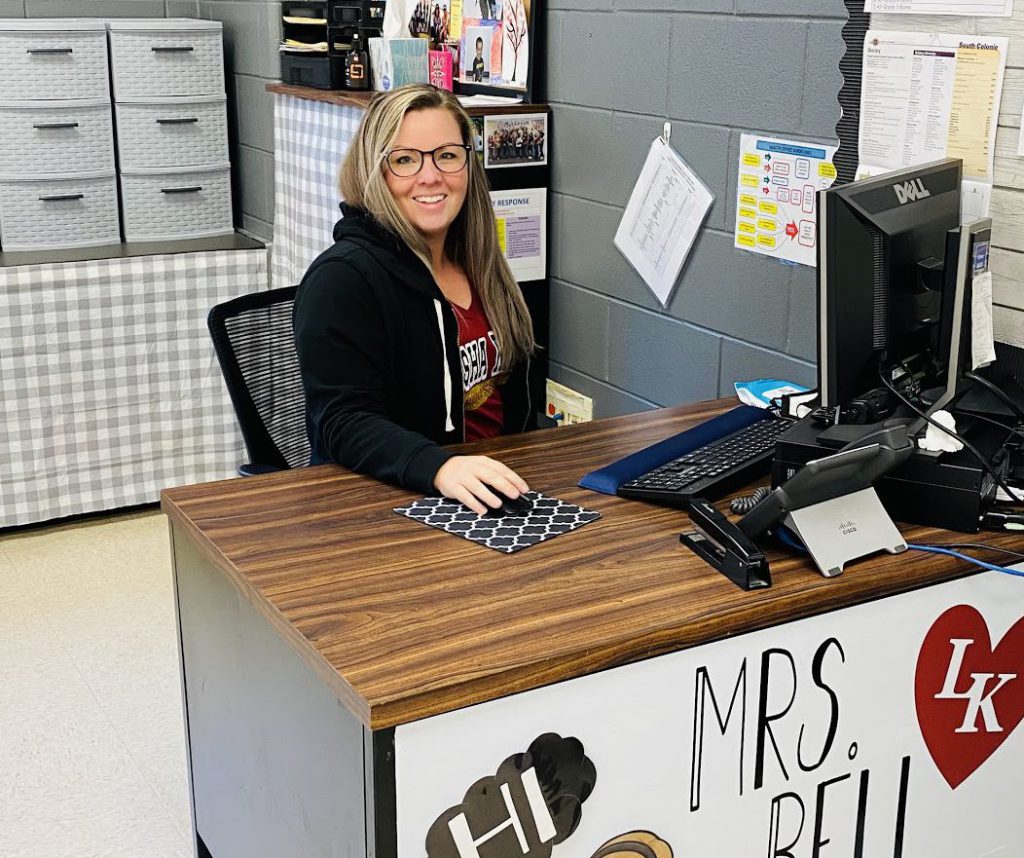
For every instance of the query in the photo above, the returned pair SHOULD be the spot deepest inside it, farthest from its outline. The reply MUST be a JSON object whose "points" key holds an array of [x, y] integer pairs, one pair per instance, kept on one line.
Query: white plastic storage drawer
{"points": [[37, 214], [55, 59], [176, 57], [172, 134], [55, 137], [160, 206]]}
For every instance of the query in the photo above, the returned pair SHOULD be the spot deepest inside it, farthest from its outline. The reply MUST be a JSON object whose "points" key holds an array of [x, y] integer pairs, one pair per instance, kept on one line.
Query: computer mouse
{"points": [[510, 507]]}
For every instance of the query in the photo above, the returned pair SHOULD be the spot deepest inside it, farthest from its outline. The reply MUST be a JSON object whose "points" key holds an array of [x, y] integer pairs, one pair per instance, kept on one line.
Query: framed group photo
{"points": [[516, 140]]}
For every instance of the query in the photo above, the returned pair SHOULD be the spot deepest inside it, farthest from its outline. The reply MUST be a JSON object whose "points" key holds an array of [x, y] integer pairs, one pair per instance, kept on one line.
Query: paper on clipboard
{"points": [[665, 212]]}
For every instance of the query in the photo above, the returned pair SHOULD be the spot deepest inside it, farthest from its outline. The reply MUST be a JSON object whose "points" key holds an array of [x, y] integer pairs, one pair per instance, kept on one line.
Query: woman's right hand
{"points": [[470, 480]]}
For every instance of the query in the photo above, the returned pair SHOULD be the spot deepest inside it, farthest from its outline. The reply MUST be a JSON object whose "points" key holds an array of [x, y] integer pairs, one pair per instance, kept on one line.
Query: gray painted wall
{"points": [[252, 31], [617, 70], [716, 68]]}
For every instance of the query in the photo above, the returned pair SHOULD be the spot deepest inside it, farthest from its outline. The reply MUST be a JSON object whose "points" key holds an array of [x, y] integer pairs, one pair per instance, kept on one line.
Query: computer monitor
{"points": [[884, 297]]}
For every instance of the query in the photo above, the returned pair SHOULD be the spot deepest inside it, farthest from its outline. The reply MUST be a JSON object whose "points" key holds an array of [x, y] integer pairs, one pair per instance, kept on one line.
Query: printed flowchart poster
{"points": [[777, 197], [522, 231]]}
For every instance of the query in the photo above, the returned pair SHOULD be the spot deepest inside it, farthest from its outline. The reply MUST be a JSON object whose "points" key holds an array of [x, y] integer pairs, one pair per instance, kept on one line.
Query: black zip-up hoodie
{"points": [[378, 347]]}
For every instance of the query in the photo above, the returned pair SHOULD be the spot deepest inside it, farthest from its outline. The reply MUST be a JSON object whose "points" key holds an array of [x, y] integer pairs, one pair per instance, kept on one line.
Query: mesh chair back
{"points": [[253, 338]]}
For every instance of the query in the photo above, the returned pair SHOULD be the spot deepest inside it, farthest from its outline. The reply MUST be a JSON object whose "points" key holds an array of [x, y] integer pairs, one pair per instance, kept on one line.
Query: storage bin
{"points": [[166, 58], [166, 205], [319, 71], [51, 137], [75, 211], [59, 59], [172, 134]]}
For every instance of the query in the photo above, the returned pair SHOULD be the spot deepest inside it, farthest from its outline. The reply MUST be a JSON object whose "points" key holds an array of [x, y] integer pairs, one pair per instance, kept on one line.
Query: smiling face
{"points": [[431, 199]]}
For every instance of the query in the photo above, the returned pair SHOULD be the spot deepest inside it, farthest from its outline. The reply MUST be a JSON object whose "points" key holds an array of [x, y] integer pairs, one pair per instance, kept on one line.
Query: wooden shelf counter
{"points": [[355, 98], [354, 680]]}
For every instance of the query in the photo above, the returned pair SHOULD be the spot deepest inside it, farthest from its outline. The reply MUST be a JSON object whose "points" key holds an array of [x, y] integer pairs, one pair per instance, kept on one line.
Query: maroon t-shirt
{"points": [[482, 373]]}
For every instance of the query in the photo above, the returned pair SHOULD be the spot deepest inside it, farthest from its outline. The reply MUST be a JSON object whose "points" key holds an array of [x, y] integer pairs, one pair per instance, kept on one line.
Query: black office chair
{"points": [[253, 338]]}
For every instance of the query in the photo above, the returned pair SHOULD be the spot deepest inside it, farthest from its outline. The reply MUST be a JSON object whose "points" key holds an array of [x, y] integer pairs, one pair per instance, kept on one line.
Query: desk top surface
{"points": [[405, 621]]}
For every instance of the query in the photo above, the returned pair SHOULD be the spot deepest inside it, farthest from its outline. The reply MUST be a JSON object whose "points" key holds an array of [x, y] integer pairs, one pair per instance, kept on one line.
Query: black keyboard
{"points": [[712, 470]]}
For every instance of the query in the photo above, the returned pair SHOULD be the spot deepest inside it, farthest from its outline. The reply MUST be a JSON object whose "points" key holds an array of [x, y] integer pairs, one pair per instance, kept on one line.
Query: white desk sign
{"points": [[887, 729]]}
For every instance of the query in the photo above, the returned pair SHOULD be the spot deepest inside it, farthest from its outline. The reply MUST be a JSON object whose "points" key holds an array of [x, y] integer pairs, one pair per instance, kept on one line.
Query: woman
{"points": [[411, 330]]}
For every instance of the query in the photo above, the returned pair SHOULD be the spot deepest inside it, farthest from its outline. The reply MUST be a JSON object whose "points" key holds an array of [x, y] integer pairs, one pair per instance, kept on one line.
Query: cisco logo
{"points": [[911, 191]]}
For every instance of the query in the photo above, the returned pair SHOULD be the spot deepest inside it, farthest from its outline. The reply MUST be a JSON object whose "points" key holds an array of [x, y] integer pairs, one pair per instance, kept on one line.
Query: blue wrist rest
{"points": [[608, 479]]}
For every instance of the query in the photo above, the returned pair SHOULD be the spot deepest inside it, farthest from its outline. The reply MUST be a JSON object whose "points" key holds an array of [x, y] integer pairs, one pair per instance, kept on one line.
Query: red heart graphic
{"points": [[970, 697]]}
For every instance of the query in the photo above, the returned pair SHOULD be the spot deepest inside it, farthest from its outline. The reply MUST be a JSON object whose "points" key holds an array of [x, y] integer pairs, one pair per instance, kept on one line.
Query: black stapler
{"points": [[719, 542]]}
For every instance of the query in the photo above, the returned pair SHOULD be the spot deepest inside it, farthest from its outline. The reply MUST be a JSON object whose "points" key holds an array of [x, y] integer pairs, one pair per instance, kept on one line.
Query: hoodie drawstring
{"points": [[449, 425]]}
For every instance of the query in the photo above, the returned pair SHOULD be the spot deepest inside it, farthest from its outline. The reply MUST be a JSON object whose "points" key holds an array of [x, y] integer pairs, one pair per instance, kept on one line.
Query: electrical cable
{"points": [[974, 450], [788, 538], [980, 546], [784, 536], [1012, 429], [743, 505], [935, 549], [996, 391]]}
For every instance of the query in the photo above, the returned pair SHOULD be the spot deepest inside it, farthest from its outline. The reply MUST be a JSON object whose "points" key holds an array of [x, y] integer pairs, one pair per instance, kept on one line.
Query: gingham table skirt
{"points": [[111, 389], [310, 139]]}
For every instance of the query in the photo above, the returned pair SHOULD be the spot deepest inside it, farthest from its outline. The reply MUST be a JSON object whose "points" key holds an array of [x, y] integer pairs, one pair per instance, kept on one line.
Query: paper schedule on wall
{"points": [[928, 96], [993, 8], [665, 212], [777, 197]]}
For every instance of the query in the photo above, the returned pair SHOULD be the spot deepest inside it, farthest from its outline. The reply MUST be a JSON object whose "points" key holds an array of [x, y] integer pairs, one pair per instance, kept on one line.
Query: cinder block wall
{"points": [[716, 69], [252, 31]]}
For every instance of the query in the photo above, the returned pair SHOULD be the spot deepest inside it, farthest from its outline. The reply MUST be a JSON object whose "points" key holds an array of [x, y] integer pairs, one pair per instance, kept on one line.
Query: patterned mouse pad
{"points": [[549, 518]]}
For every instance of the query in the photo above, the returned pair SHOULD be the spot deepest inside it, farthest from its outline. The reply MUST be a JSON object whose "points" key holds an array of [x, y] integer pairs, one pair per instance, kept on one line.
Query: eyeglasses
{"points": [[450, 158]]}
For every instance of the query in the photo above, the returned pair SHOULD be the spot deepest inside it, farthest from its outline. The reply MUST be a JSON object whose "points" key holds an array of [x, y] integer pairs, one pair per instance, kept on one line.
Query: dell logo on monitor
{"points": [[910, 191]]}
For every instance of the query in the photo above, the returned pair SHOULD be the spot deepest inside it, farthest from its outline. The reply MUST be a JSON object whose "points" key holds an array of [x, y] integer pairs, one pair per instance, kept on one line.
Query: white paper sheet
{"points": [[927, 96], [777, 197], [996, 8], [975, 200], [396, 18], [661, 222], [983, 350], [522, 231]]}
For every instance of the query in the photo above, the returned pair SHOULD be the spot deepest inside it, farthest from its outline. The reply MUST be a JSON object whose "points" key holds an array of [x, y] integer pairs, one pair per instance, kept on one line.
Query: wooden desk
{"points": [[326, 639]]}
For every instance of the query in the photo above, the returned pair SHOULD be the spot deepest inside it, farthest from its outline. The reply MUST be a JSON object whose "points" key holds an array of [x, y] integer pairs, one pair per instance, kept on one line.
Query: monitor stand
{"points": [[843, 529], [978, 400]]}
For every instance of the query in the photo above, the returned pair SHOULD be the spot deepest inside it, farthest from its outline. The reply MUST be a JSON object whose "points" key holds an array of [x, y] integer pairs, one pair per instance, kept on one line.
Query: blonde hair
{"points": [[472, 240]]}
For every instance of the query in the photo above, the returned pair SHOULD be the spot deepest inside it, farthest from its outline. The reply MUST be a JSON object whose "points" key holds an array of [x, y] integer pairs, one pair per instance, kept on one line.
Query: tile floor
{"points": [[92, 748]]}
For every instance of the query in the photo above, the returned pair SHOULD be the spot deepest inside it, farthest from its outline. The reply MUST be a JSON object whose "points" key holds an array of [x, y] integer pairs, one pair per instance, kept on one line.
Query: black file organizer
{"points": [[318, 70], [334, 22]]}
